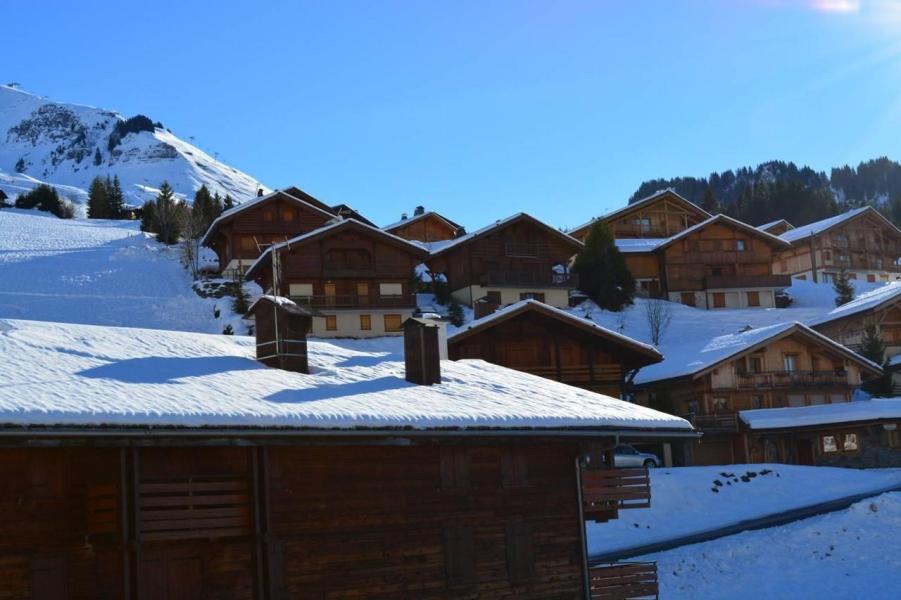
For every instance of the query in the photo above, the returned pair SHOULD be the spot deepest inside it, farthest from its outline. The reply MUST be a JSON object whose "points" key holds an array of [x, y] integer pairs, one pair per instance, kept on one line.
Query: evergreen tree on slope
{"points": [[602, 270]]}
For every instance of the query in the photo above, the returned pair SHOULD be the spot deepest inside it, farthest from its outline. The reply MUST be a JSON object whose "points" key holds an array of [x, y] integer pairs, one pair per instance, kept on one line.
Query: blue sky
{"points": [[481, 109]]}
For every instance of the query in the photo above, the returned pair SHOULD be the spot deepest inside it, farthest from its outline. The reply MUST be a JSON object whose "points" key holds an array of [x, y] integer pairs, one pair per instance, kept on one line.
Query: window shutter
{"points": [[459, 557], [520, 552]]}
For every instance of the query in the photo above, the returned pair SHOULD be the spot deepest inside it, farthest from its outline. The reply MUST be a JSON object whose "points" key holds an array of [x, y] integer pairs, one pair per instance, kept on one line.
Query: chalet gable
{"points": [[871, 302], [441, 248], [660, 201], [730, 223], [430, 215], [802, 234], [777, 227]]}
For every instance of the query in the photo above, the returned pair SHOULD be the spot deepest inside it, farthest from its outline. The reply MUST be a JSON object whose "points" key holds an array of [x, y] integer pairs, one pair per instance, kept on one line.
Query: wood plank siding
{"points": [[429, 227], [661, 215]]}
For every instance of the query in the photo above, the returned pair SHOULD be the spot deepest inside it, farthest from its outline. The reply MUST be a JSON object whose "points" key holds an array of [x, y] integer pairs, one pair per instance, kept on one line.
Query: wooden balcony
{"points": [[714, 282], [718, 423], [338, 272], [577, 374], [624, 581], [605, 491], [721, 257], [543, 278], [327, 301], [790, 379]]}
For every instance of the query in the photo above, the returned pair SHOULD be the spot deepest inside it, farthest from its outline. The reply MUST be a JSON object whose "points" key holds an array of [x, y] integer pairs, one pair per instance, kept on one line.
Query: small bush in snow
{"points": [[455, 313], [228, 330]]}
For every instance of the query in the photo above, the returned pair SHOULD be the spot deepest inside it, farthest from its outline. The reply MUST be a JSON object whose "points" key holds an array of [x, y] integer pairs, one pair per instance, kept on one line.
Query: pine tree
{"points": [[710, 203], [3, 199], [168, 218], [455, 313], [20, 165], [602, 270], [98, 158], [115, 200], [844, 289], [241, 302], [228, 203], [148, 217], [97, 201], [872, 346]]}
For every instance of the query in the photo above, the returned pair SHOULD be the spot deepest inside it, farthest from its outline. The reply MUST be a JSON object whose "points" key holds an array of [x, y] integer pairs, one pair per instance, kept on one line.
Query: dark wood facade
{"points": [[513, 260], [540, 340], [239, 237], [141, 520], [427, 227], [660, 215]]}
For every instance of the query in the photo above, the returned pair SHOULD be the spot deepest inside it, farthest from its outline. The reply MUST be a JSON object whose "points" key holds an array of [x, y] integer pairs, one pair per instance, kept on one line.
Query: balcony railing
{"points": [[613, 489], [714, 282], [714, 257], [785, 379], [530, 279], [715, 423], [356, 301], [624, 581], [341, 271]]}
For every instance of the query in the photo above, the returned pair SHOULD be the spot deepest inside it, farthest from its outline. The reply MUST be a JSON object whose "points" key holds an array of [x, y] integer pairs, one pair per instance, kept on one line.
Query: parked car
{"points": [[627, 456]]}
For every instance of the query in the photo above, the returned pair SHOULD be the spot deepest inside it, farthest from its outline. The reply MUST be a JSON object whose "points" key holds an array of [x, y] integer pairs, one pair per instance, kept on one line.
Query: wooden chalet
{"points": [[861, 241], [425, 226], [240, 235], [355, 277], [717, 263], [860, 434], [172, 465], [535, 338], [514, 259], [660, 215], [881, 307], [786, 365], [777, 227]]}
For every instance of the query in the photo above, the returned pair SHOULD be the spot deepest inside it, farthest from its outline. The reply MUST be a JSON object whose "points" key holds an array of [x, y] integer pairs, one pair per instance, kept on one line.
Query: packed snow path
{"points": [[96, 272]]}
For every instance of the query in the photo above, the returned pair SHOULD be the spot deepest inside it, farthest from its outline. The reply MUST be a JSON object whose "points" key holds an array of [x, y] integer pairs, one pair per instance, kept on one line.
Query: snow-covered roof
{"points": [[698, 356], [419, 217], [875, 409], [872, 300], [638, 204], [767, 226], [439, 247], [805, 231], [228, 214], [567, 317], [326, 229], [638, 245], [55, 374]]}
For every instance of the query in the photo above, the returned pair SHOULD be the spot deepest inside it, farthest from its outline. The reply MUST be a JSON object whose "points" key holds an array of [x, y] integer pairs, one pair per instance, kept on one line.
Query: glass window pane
{"points": [[829, 444], [850, 442]]}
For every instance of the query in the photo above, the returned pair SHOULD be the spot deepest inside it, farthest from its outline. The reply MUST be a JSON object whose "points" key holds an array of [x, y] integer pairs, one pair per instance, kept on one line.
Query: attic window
{"points": [[740, 245], [267, 216]]}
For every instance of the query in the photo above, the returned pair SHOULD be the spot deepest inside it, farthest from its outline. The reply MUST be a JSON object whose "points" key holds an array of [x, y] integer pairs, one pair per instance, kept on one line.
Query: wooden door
{"points": [[170, 572], [331, 291], [804, 452]]}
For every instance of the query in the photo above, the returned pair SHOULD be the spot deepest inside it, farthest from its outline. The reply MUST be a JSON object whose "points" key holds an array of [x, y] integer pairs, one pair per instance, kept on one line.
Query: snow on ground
{"points": [[854, 553], [683, 501], [65, 374], [98, 272]]}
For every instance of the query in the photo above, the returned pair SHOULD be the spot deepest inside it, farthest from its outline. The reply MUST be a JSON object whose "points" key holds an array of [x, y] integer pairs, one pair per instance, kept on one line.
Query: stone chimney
{"points": [[419, 210], [281, 329], [259, 192], [422, 355]]}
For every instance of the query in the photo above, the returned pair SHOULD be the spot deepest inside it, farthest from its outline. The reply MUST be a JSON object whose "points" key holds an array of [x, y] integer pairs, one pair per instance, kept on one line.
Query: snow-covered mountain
{"points": [[67, 145]]}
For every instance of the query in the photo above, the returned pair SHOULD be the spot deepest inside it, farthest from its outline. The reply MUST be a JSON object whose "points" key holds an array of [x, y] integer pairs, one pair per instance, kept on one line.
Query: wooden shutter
{"points": [[520, 552], [193, 508], [459, 557]]}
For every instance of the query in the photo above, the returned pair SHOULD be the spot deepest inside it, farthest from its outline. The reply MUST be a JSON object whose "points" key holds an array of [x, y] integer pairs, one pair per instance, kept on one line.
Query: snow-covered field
{"points": [[683, 501], [98, 272], [854, 553]]}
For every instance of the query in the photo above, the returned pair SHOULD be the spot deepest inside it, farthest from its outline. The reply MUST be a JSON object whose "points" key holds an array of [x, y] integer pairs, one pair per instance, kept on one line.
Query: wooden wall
{"points": [[429, 228]]}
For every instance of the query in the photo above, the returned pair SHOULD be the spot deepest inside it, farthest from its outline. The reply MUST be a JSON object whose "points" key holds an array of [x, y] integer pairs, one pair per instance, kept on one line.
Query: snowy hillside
{"points": [[67, 145], [98, 272]]}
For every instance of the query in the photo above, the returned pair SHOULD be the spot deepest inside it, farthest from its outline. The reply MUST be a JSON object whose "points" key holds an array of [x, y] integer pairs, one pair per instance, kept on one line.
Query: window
{"points": [[849, 444], [287, 214], [331, 323], [247, 242], [392, 323], [829, 444], [720, 404], [459, 557], [719, 300], [753, 298], [520, 552], [740, 245], [878, 263], [532, 296], [644, 224], [365, 322], [494, 297], [817, 399], [852, 275], [871, 277], [756, 401], [755, 364], [789, 362], [300, 290], [267, 216], [844, 258], [827, 255], [841, 240], [363, 289], [687, 298], [391, 289]]}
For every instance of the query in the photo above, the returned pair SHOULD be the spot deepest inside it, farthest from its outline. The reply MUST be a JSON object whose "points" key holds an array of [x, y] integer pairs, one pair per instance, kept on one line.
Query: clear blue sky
{"points": [[480, 109]]}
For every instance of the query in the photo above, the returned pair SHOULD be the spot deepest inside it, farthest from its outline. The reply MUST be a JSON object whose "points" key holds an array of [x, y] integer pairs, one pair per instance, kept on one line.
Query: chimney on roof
{"points": [[422, 350], [281, 329], [418, 211], [259, 192], [403, 216], [459, 232]]}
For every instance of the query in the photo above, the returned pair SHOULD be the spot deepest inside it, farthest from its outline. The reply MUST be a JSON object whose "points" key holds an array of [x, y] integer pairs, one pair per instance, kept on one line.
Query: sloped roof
{"points": [[437, 248], [721, 218], [805, 231], [244, 206], [697, 357], [642, 202], [348, 212], [330, 229], [859, 411], [523, 306], [102, 378], [872, 300], [414, 218], [767, 226]]}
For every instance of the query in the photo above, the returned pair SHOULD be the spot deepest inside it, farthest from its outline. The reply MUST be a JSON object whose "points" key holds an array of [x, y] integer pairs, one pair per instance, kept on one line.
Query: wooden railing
{"points": [[201, 508], [782, 379], [624, 581], [538, 278], [576, 374], [715, 423], [614, 489], [721, 257], [356, 301]]}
